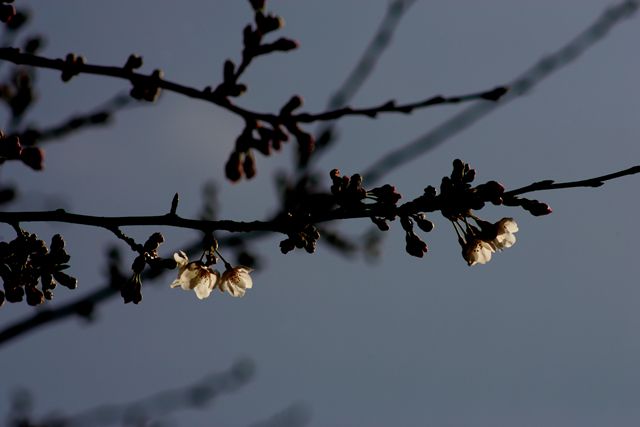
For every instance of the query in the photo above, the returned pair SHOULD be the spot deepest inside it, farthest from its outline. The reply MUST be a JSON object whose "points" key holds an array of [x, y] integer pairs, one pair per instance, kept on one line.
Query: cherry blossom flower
{"points": [[194, 276], [477, 251], [504, 234], [236, 280]]}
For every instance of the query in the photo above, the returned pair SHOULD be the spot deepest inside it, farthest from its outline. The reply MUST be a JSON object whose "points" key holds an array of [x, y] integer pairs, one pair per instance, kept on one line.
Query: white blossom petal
{"points": [[181, 258], [235, 281], [194, 276], [205, 286], [477, 252], [505, 237]]}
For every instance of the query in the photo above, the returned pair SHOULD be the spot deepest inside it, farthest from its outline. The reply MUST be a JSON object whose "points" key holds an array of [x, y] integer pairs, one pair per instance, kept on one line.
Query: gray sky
{"points": [[545, 334]]}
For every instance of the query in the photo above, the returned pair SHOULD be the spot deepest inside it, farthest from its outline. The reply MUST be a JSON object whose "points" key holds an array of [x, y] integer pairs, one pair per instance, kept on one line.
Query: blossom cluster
{"points": [[479, 243], [196, 276]]}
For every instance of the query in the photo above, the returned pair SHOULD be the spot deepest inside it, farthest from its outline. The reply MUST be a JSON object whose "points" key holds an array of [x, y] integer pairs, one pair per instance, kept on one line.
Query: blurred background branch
{"points": [[521, 85]]}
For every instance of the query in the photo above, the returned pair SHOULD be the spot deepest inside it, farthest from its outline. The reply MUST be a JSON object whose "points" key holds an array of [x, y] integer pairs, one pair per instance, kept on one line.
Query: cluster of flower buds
{"points": [[264, 138], [147, 88], [26, 262], [131, 290], [457, 201], [18, 91], [261, 136], [415, 245], [306, 238], [457, 197], [12, 149], [72, 66], [255, 136], [229, 86], [264, 24], [348, 191], [253, 46], [351, 198], [306, 141]]}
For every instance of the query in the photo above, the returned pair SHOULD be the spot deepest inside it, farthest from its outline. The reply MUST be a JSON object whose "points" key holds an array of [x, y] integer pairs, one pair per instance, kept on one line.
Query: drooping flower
{"points": [[236, 280], [194, 276], [505, 237], [477, 251]]}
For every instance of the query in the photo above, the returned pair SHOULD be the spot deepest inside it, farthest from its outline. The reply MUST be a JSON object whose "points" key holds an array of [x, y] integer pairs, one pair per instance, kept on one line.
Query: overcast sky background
{"points": [[547, 333]]}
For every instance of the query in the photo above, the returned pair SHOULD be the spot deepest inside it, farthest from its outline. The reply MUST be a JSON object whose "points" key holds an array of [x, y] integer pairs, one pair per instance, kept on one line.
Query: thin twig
{"points": [[169, 220], [591, 182], [14, 55]]}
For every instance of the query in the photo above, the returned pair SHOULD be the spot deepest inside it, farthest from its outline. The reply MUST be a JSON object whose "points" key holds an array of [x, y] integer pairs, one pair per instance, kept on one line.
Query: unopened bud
{"points": [[233, 167], [32, 157]]}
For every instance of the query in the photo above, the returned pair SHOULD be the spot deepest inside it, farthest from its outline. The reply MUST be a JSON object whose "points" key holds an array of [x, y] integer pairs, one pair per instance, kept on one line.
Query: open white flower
{"points": [[477, 252], [194, 276], [235, 281], [505, 237]]}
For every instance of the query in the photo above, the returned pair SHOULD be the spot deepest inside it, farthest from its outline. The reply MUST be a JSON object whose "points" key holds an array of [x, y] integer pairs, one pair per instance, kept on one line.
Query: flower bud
{"points": [[133, 62], [32, 157], [33, 44], [407, 223], [7, 11], [423, 222], [233, 167], [286, 246], [228, 71], [34, 295], [538, 208], [415, 246], [380, 223], [10, 147], [283, 44], [268, 23], [293, 103], [249, 165], [65, 280]]}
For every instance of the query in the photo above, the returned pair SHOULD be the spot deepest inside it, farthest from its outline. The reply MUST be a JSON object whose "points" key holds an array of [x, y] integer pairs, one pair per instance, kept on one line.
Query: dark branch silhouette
{"points": [[591, 182], [14, 55], [280, 224], [84, 306]]}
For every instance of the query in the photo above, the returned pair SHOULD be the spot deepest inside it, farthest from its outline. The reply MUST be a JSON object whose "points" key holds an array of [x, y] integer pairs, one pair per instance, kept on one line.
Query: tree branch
{"points": [[84, 306], [591, 182], [14, 55], [170, 220]]}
